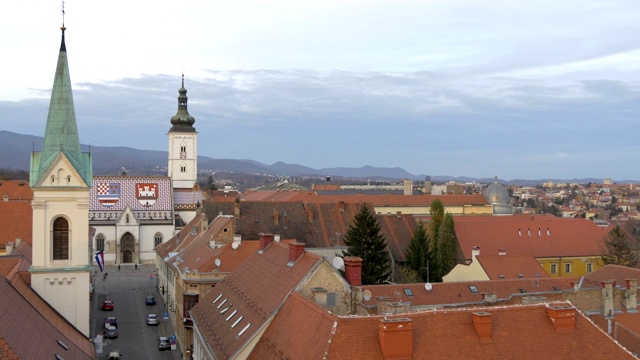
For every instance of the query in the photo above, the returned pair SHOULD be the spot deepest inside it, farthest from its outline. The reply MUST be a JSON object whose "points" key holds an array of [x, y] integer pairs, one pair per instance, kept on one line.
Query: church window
{"points": [[61, 239], [183, 152], [100, 242], [69, 179], [183, 168], [53, 179], [157, 239], [127, 219]]}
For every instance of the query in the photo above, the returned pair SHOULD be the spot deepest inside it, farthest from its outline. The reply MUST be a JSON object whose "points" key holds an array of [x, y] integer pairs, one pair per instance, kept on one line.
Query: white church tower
{"points": [[60, 177], [183, 146]]}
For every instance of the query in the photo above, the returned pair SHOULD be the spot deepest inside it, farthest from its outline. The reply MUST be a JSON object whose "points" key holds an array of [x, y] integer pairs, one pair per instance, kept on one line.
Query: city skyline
{"points": [[460, 88]]}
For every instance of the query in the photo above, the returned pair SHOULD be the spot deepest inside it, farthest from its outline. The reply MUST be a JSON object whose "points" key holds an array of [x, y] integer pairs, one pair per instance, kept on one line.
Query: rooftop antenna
{"points": [[338, 262]]}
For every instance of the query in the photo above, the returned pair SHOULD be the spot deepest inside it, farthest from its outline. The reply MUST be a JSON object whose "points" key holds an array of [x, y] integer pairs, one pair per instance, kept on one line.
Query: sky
{"points": [[526, 89]]}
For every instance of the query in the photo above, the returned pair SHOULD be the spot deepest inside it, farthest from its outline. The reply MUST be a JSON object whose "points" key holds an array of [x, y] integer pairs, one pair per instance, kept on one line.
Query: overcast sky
{"points": [[518, 89]]}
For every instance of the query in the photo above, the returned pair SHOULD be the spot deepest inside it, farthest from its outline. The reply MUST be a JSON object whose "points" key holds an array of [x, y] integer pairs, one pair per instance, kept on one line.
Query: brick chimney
{"points": [[237, 239], [482, 324], [296, 250], [607, 298], [265, 240], [562, 317], [353, 270], [9, 248], [630, 301], [396, 338]]}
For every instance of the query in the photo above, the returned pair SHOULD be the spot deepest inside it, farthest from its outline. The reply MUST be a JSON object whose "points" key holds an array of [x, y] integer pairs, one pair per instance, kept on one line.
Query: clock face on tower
{"points": [[183, 154]]}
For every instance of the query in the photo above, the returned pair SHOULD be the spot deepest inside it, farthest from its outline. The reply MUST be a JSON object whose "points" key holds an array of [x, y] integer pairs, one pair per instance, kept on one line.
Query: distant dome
{"points": [[498, 196]]}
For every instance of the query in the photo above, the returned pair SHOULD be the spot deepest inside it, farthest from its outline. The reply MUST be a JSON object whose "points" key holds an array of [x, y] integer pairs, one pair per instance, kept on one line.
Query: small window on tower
{"points": [[183, 168]]}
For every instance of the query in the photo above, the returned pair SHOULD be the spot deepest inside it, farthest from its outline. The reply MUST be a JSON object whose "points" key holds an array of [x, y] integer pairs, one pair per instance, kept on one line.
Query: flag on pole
{"points": [[100, 260]]}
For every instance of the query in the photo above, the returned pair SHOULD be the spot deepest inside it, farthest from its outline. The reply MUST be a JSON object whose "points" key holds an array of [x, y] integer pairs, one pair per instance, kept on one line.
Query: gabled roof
{"points": [[182, 239], [23, 311], [517, 332], [539, 236], [511, 266], [618, 273], [248, 297], [452, 293]]}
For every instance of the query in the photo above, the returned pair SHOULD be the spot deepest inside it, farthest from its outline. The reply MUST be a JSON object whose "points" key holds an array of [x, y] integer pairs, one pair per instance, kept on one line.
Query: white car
{"points": [[152, 319]]}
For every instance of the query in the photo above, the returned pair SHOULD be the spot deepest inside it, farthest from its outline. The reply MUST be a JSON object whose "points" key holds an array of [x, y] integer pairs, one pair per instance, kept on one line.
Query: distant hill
{"points": [[15, 150]]}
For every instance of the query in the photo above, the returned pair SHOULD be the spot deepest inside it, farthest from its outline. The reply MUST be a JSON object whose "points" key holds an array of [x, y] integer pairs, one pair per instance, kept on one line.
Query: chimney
{"points": [[353, 270], [265, 240], [490, 298], [576, 285], [475, 251], [276, 237], [396, 338], [630, 301], [9, 248], [607, 298], [296, 250], [502, 251], [408, 187], [18, 241], [237, 239], [482, 324], [562, 317], [399, 214]]}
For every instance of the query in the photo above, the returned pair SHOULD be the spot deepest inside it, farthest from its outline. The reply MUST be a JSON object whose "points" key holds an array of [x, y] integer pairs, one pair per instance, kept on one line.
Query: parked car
{"points": [[111, 333], [107, 305], [163, 343], [152, 319], [110, 321], [150, 300]]}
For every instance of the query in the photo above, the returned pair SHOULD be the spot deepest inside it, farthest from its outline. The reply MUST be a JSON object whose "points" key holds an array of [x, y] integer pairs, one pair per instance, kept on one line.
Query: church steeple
{"points": [[61, 133], [182, 121]]}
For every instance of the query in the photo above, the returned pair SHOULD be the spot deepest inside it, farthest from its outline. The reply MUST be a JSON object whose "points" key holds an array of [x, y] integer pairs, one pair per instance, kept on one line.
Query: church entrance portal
{"points": [[127, 246]]}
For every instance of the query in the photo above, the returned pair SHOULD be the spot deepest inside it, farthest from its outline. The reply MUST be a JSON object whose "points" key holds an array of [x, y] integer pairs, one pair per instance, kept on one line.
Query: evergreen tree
{"points": [[437, 216], [364, 240], [447, 245], [418, 252], [618, 250]]}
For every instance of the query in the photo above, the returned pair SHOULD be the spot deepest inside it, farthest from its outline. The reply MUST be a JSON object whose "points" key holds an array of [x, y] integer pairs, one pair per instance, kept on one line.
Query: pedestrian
{"points": [[151, 276], [136, 266], [118, 267]]}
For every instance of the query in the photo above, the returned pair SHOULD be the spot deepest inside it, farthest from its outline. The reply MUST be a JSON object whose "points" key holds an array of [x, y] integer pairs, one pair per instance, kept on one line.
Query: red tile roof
{"points": [[16, 190], [452, 293], [538, 236], [611, 272], [252, 293], [511, 266], [517, 332], [23, 311], [16, 221]]}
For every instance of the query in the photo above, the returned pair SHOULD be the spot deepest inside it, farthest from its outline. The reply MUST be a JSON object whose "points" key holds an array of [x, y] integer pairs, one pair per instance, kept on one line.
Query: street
{"points": [[127, 289]]}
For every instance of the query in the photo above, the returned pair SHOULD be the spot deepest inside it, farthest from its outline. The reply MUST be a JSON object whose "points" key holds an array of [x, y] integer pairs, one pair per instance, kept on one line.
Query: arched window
{"points": [[60, 239], [157, 239], [100, 242]]}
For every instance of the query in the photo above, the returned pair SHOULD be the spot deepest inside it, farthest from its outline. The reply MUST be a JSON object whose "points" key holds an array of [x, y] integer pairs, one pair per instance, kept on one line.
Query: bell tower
{"points": [[60, 177], [183, 146]]}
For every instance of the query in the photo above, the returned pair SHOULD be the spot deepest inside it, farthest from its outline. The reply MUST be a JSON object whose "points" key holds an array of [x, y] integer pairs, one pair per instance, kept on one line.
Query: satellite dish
{"points": [[428, 286], [235, 245], [218, 262], [366, 295], [338, 262]]}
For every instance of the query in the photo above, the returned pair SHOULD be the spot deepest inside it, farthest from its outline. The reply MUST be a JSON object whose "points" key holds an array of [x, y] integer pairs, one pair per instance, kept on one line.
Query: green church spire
{"points": [[61, 134]]}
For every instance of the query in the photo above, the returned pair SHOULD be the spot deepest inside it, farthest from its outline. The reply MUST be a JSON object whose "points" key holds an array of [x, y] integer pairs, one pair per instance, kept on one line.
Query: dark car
{"points": [[163, 343], [150, 300], [111, 333], [107, 305], [110, 321]]}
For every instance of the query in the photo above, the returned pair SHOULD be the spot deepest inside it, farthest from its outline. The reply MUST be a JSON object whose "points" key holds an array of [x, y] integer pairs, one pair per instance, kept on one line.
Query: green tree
{"points": [[437, 216], [418, 252], [447, 241], [364, 240], [617, 249]]}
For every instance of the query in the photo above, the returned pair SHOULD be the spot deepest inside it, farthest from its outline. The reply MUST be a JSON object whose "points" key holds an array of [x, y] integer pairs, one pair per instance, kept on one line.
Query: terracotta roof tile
{"points": [[523, 331], [511, 266], [617, 273], [255, 289], [539, 236], [16, 221]]}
